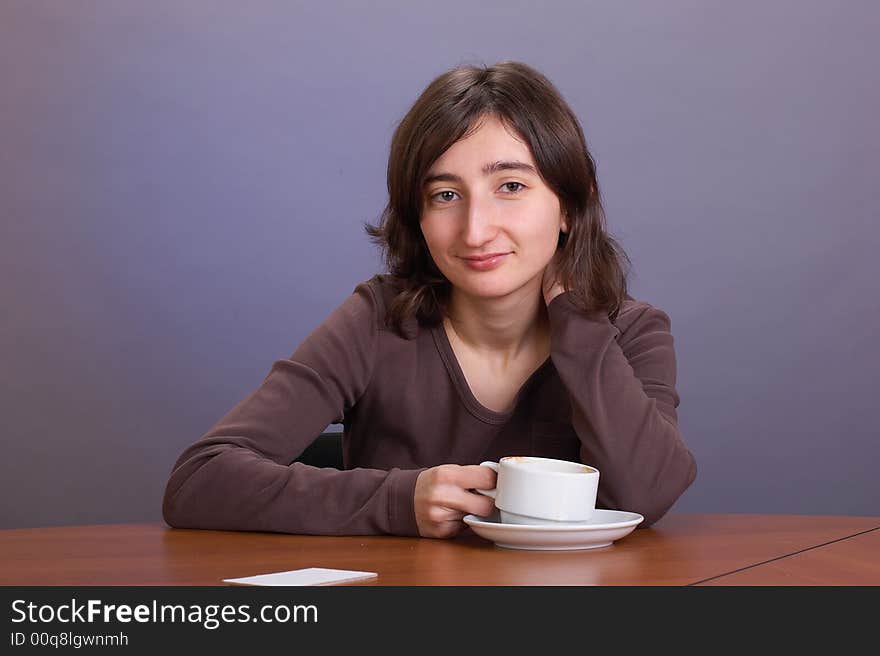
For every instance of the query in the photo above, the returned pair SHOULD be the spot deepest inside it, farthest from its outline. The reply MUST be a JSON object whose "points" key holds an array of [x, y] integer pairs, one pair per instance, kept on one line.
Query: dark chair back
{"points": [[326, 451]]}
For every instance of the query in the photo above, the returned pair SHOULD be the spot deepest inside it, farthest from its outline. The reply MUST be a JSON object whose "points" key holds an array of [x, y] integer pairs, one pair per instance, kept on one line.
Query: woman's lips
{"points": [[485, 262]]}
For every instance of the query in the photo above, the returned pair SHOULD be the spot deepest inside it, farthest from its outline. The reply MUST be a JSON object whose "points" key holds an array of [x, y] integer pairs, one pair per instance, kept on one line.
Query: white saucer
{"points": [[603, 528]]}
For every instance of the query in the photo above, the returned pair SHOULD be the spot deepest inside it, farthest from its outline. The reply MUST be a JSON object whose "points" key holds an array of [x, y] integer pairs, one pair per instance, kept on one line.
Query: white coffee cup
{"points": [[532, 490]]}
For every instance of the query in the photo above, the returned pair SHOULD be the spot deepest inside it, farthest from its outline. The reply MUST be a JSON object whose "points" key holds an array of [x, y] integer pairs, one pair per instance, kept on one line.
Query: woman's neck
{"points": [[499, 328]]}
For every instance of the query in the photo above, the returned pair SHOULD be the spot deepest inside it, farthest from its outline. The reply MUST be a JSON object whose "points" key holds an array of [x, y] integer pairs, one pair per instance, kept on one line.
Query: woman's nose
{"points": [[480, 225]]}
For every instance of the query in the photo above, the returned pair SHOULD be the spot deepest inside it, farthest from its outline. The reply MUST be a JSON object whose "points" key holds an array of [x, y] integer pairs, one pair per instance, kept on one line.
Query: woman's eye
{"points": [[443, 196], [518, 187]]}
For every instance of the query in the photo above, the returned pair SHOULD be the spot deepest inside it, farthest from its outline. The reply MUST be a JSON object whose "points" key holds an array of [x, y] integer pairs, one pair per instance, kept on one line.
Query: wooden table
{"points": [[849, 561], [681, 549]]}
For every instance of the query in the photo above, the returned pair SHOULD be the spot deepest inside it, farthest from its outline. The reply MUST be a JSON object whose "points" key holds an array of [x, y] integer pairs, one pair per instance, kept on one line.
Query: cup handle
{"points": [[494, 490]]}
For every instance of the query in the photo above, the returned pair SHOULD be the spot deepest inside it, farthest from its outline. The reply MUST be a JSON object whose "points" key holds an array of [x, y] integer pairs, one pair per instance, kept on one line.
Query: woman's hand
{"points": [[442, 498], [550, 285]]}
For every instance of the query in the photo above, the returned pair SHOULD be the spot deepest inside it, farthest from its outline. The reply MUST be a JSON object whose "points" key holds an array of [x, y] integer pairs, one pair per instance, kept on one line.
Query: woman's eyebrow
{"points": [[488, 169]]}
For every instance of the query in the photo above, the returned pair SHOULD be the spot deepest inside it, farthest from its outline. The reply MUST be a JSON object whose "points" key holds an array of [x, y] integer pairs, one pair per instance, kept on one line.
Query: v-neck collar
{"points": [[481, 412]]}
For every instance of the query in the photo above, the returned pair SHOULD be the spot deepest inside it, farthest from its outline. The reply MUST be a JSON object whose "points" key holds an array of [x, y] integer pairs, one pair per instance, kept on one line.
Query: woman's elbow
{"points": [[180, 503], [174, 512], [190, 484], [657, 501]]}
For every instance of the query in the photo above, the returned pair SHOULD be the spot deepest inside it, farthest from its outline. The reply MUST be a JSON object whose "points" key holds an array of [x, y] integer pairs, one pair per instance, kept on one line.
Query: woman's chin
{"points": [[488, 288]]}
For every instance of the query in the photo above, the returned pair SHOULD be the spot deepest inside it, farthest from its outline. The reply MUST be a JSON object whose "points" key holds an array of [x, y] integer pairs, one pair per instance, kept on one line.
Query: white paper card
{"points": [[308, 576]]}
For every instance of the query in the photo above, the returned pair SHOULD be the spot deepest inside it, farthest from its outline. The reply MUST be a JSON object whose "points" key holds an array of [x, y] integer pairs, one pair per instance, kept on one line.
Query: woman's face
{"points": [[491, 223]]}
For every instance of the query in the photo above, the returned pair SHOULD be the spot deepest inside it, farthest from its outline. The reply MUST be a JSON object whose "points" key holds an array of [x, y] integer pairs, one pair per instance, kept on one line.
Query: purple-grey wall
{"points": [[182, 187]]}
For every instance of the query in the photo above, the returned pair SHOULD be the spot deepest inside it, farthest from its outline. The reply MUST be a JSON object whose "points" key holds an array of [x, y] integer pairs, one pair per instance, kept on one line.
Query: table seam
{"points": [[789, 555]]}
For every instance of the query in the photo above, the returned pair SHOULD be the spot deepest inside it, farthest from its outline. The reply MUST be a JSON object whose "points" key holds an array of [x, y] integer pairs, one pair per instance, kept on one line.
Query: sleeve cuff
{"points": [[401, 510], [562, 303], [564, 306]]}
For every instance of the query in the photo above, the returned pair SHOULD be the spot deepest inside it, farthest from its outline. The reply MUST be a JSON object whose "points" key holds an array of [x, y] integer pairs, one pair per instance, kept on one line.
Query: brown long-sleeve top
{"points": [[606, 397]]}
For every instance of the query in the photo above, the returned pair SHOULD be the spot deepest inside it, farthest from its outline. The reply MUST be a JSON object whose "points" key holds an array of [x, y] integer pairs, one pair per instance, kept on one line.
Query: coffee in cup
{"points": [[533, 490]]}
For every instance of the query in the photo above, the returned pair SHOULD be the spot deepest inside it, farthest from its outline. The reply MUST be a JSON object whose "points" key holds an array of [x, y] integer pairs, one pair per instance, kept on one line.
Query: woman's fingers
{"points": [[471, 503], [442, 498]]}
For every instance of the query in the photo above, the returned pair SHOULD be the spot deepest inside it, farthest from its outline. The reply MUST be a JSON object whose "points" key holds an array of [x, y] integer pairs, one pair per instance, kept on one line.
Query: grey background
{"points": [[182, 188]]}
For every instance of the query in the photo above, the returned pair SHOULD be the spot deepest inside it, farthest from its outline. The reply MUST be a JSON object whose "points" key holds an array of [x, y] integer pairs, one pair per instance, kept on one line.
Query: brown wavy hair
{"points": [[592, 265]]}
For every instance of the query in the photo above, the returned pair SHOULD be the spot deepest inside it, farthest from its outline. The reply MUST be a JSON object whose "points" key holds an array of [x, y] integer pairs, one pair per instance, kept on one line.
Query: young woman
{"points": [[503, 327]]}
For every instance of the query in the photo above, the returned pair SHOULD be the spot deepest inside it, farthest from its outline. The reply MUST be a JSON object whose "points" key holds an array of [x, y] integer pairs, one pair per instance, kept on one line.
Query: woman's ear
{"points": [[563, 232]]}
